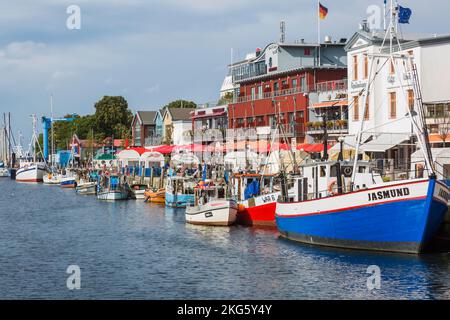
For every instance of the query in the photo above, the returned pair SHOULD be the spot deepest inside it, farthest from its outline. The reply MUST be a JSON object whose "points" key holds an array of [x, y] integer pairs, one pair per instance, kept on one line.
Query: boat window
{"points": [[362, 169], [333, 172], [323, 171]]}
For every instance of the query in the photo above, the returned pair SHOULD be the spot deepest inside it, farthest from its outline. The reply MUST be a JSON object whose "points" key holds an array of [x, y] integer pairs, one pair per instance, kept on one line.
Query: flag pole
{"points": [[318, 27]]}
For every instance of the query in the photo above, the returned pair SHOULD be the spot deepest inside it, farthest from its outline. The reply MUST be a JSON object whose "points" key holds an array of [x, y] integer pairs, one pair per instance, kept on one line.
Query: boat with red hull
{"points": [[257, 199]]}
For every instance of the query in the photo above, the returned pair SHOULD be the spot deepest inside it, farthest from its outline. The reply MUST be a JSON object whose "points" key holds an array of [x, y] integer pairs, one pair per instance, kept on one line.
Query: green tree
{"points": [[181, 104], [112, 116]]}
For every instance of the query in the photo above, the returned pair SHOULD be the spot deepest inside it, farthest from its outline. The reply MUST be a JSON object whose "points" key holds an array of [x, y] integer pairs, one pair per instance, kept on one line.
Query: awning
{"points": [[331, 104], [384, 141]]}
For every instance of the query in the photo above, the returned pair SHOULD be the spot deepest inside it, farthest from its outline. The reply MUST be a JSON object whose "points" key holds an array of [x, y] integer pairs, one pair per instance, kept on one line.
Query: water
{"points": [[134, 250]]}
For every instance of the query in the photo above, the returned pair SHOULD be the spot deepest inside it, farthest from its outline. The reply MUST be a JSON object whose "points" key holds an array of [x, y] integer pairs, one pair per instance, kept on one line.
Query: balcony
{"points": [[333, 127], [272, 94], [332, 86]]}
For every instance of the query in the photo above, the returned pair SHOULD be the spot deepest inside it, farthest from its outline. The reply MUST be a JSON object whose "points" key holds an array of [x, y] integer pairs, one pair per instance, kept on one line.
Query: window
{"points": [[355, 108], [250, 120], [294, 83], [253, 92], [303, 83], [392, 68], [260, 92], [393, 105], [366, 66], [272, 122], [137, 134], [240, 121], [301, 114], [284, 84], [367, 111], [259, 120], [276, 87], [323, 171], [411, 100], [355, 67], [307, 52]]}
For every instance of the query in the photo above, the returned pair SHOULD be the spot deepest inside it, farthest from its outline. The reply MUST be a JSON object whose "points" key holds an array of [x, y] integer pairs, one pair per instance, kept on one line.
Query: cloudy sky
{"points": [[154, 51]]}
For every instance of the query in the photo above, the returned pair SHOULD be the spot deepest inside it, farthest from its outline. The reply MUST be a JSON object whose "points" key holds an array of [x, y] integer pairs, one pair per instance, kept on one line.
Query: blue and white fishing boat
{"points": [[398, 216], [111, 188], [179, 191], [347, 204]]}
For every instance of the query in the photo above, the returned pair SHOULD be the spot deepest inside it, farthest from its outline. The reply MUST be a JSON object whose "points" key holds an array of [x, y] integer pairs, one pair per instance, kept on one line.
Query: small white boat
{"points": [[51, 179], [211, 207], [86, 187], [111, 188], [138, 190], [4, 173]]}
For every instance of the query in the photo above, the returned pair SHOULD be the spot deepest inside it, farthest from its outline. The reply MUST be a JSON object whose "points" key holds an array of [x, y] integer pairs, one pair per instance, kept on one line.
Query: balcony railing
{"points": [[332, 86]]}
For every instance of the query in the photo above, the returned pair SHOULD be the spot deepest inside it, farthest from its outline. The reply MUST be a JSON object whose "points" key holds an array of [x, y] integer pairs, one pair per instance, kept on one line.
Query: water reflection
{"points": [[142, 250]]}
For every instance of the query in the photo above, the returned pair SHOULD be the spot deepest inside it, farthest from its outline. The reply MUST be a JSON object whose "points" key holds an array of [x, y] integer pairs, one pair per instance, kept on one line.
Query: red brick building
{"points": [[281, 83]]}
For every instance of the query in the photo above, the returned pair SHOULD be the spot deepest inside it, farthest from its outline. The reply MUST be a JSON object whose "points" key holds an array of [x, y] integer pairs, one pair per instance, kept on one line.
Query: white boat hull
{"points": [[139, 194], [112, 195], [52, 180], [88, 188], [32, 173], [214, 213]]}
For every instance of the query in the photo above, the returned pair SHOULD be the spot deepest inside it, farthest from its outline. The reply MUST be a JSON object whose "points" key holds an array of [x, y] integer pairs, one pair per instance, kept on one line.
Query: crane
{"points": [[47, 125]]}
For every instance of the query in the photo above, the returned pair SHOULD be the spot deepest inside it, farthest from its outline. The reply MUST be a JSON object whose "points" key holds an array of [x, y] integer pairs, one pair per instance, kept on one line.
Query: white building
{"points": [[386, 122]]}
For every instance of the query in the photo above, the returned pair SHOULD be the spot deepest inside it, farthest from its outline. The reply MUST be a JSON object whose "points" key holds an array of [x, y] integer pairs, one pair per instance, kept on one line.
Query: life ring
{"points": [[331, 186]]}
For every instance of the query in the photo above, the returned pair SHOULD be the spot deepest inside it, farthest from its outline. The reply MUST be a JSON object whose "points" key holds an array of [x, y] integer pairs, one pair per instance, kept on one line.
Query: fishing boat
{"points": [[211, 207], [348, 205], [86, 187], [257, 197], [3, 171], [179, 191], [68, 180], [111, 188], [30, 169], [155, 196], [138, 191], [52, 178]]}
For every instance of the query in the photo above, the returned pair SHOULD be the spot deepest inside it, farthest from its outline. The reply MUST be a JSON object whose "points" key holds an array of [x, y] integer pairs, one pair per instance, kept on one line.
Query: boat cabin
{"points": [[319, 180], [180, 185], [245, 186], [206, 193]]}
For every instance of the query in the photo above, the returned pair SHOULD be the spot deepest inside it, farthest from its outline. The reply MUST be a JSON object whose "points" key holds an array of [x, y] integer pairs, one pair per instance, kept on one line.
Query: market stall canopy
{"points": [[151, 156], [384, 141], [162, 149], [312, 148], [185, 158], [129, 155]]}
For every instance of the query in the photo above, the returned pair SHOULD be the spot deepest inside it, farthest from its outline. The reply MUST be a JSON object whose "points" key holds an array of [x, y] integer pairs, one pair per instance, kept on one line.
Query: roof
{"points": [[147, 117], [180, 113], [407, 41]]}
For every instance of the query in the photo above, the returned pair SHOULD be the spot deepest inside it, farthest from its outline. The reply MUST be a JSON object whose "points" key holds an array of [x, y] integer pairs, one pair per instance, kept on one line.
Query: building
{"points": [[330, 110], [159, 126], [209, 123], [277, 85], [177, 126], [387, 126], [143, 129]]}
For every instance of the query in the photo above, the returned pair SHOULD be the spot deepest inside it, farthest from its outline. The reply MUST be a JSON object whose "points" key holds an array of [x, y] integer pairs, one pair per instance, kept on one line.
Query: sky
{"points": [[155, 51]]}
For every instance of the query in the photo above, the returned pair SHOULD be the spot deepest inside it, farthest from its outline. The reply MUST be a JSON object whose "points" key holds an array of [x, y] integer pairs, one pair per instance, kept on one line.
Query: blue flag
{"points": [[404, 14]]}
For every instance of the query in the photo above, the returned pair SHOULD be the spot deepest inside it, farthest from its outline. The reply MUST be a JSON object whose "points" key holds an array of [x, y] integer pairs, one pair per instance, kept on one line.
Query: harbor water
{"points": [[135, 250]]}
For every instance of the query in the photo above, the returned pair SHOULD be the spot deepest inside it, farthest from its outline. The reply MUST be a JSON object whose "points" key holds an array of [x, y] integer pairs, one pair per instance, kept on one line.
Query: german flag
{"points": [[323, 11]]}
